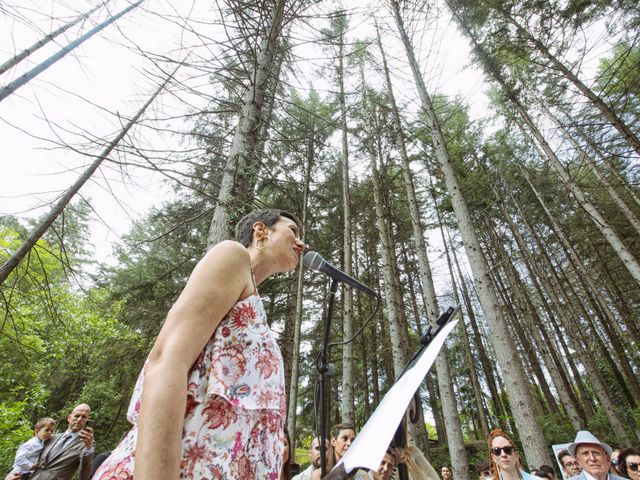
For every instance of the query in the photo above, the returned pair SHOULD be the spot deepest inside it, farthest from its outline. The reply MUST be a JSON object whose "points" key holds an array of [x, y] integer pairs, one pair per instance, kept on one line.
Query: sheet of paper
{"points": [[371, 443]]}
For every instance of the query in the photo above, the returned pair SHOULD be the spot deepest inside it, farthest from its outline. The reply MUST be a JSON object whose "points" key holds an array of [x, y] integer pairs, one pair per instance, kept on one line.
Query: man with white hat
{"points": [[594, 457]]}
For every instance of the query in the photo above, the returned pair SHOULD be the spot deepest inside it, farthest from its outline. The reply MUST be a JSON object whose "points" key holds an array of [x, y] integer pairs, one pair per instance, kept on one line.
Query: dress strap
{"points": [[253, 279]]}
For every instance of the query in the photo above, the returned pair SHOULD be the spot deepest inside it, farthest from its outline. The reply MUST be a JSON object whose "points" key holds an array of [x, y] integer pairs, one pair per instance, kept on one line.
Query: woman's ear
{"points": [[260, 228]]}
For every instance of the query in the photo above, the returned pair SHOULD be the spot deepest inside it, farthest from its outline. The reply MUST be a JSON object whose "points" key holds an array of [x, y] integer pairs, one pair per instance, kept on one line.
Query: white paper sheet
{"points": [[371, 443]]}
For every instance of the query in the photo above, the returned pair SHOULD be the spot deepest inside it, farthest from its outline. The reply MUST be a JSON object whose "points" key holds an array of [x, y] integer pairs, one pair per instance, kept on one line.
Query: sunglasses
{"points": [[633, 467], [498, 450]]}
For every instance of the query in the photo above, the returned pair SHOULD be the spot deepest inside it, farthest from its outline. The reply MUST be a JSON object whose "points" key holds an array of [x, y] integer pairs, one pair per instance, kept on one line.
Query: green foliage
{"points": [[556, 428], [600, 427], [58, 344], [301, 457], [16, 424], [431, 431], [619, 79]]}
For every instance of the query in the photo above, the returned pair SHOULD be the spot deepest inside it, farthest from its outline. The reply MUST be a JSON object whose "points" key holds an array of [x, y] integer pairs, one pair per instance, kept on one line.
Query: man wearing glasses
{"points": [[594, 457], [570, 466]]}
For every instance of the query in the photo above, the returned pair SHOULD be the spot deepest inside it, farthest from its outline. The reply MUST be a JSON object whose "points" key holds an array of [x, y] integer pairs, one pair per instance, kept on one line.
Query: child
{"points": [[26, 461]]}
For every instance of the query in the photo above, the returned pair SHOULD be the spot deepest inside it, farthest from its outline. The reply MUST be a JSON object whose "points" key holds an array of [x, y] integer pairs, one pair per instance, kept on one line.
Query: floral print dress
{"points": [[234, 420]]}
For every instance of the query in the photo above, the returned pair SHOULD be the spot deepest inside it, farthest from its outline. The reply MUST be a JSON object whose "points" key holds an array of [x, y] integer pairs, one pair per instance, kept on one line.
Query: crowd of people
{"points": [[587, 458], [210, 400]]}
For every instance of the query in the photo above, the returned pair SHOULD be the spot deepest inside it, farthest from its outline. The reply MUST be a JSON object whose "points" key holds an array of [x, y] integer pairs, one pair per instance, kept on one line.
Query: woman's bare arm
{"points": [[215, 285]]}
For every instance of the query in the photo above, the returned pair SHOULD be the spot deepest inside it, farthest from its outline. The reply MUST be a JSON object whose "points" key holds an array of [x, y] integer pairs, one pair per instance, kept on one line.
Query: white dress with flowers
{"points": [[234, 420]]}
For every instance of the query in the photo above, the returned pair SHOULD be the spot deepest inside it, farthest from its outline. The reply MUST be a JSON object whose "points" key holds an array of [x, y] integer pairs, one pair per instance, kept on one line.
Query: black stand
{"points": [[323, 369]]}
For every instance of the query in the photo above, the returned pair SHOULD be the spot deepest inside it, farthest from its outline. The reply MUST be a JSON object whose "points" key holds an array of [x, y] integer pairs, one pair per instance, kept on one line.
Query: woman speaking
{"points": [[210, 400]]}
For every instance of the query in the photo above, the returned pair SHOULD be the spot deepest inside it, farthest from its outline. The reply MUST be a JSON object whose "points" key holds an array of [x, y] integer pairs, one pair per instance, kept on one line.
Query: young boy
{"points": [[26, 461]]}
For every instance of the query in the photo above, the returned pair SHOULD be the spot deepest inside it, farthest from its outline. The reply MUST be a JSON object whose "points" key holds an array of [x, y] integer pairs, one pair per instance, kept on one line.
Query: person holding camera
{"points": [[67, 453]]}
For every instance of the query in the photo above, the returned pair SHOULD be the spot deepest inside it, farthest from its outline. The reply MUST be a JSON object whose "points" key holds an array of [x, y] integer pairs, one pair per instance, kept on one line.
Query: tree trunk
{"points": [[38, 69], [466, 345], [365, 351], [628, 260], [590, 162], [245, 139], [530, 433], [584, 276], [391, 307], [348, 413], [561, 384], [487, 368], [13, 61], [295, 362], [607, 111], [42, 227], [572, 331], [457, 451]]}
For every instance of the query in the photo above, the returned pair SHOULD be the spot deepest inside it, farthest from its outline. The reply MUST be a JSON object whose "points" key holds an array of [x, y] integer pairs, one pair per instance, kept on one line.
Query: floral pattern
{"points": [[235, 410]]}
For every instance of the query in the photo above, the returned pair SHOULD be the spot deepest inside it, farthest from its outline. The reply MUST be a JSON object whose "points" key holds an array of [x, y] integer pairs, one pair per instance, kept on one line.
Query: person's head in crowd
{"points": [[445, 472], [483, 469], [286, 457], [570, 466], [45, 428], [548, 472], [593, 455], [504, 456], [314, 452], [343, 436], [388, 463], [629, 463], [78, 417], [539, 472], [614, 462]]}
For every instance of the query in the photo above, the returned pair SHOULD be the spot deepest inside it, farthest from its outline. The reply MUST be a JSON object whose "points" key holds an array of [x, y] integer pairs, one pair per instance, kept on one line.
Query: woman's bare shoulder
{"points": [[228, 251]]}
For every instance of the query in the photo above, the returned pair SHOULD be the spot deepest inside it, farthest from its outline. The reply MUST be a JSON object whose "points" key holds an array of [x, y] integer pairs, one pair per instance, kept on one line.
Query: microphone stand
{"points": [[323, 369]]}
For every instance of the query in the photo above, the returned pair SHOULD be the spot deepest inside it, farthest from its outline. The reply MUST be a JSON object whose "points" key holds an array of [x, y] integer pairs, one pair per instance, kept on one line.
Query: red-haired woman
{"points": [[504, 458]]}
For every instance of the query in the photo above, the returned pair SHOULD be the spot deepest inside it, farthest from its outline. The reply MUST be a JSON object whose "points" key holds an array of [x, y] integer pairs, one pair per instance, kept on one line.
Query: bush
{"points": [[15, 429]]}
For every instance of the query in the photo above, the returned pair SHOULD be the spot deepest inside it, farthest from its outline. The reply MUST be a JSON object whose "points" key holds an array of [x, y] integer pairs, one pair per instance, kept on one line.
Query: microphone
{"points": [[314, 261]]}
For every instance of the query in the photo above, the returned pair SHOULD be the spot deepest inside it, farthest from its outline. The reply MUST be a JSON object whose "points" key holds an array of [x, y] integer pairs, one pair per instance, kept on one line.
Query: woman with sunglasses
{"points": [[505, 461], [628, 463]]}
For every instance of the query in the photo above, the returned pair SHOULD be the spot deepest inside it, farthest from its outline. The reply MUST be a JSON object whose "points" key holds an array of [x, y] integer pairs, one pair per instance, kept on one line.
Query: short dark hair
{"points": [[561, 455], [342, 426], [622, 460], [542, 473], [268, 216], [548, 469]]}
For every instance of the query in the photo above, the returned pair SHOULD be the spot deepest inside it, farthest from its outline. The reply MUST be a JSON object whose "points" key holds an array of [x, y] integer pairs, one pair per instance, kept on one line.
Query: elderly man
{"points": [[570, 466], [594, 457], [67, 452]]}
